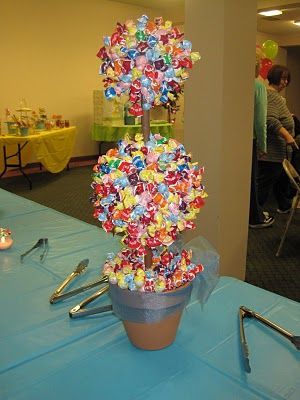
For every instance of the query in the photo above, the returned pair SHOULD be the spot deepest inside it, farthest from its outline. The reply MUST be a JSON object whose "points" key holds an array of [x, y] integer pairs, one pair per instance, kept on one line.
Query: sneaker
{"points": [[286, 211], [268, 221], [266, 214]]}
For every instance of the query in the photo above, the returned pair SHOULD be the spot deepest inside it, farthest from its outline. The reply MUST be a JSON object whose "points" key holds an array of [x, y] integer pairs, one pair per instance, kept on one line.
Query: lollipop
{"points": [[148, 61], [169, 270], [148, 192]]}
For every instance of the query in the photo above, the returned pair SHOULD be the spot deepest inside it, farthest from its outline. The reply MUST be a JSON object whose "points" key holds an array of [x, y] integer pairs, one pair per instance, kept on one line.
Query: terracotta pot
{"points": [[150, 319]]}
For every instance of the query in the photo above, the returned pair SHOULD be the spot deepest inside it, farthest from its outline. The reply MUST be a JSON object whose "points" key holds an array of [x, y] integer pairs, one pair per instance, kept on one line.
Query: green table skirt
{"points": [[103, 133]]}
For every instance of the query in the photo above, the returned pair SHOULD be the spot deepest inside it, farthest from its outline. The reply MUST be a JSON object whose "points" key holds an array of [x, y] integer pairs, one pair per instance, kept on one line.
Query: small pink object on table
{"points": [[5, 239]]}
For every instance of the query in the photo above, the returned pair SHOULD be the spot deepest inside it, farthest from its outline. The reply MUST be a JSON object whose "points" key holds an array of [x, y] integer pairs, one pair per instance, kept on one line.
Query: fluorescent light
{"points": [[296, 23], [270, 13]]}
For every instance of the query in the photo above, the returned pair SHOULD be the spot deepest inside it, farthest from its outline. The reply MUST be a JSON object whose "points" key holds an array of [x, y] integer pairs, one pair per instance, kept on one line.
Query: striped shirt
{"points": [[278, 116]]}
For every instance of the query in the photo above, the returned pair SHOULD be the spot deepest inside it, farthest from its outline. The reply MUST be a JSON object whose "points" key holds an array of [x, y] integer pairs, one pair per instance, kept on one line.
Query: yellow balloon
{"points": [[270, 48]]}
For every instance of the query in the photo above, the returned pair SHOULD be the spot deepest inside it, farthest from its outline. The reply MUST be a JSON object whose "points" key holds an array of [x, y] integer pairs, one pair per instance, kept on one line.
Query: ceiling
{"points": [[279, 25]]}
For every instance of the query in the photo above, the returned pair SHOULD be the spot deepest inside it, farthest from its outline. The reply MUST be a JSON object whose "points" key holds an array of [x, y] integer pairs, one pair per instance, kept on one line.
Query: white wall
{"points": [[218, 120]]}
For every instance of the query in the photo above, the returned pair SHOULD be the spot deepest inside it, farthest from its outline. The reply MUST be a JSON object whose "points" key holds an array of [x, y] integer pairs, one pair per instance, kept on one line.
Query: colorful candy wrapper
{"points": [[151, 57], [148, 201]]}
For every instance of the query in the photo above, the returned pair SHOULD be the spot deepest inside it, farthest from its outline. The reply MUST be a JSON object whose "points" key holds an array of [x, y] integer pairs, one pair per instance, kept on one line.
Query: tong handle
{"points": [[45, 252], [65, 282], [35, 246], [56, 297], [39, 243], [267, 322], [242, 331], [244, 344], [78, 310], [92, 311], [28, 251], [94, 296]]}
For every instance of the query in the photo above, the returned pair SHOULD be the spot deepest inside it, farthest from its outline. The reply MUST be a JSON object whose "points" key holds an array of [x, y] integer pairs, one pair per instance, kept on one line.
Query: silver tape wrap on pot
{"points": [[152, 307], [148, 307]]}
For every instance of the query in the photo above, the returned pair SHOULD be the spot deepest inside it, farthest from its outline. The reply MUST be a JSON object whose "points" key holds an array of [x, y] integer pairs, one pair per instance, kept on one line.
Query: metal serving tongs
{"points": [[41, 243], [245, 312], [59, 296]]}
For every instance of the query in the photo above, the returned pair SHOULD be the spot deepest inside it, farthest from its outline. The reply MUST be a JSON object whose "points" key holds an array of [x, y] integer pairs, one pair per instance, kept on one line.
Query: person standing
{"points": [[280, 139], [257, 218]]}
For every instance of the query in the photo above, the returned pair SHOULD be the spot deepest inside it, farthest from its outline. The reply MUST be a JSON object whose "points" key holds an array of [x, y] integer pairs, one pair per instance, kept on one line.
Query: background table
{"points": [[53, 149], [46, 355], [107, 133]]}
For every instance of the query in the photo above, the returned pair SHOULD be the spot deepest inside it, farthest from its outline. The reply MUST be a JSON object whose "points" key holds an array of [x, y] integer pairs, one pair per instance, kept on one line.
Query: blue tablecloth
{"points": [[44, 354]]}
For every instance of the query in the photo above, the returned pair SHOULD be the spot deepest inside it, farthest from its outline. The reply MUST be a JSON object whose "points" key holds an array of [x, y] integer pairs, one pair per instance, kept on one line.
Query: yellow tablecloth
{"points": [[53, 149], [104, 133]]}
